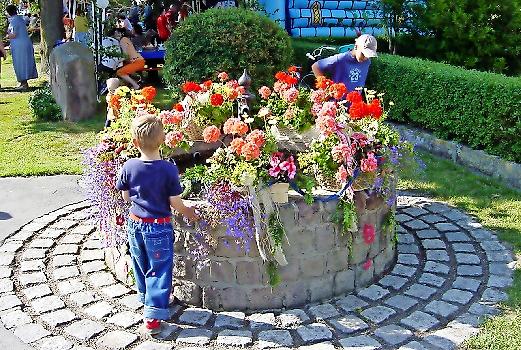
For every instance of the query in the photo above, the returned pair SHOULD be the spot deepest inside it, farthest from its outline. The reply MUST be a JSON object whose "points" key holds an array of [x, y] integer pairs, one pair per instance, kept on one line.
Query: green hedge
{"points": [[229, 40], [482, 110]]}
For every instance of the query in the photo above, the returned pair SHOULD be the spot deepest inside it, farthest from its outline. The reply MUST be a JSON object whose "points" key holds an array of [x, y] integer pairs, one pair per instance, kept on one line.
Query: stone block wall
{"points": [[319, 266]]}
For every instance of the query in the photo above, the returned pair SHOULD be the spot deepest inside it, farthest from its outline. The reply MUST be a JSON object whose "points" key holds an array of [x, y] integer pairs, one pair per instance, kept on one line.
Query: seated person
{"points": [[139, 39], [350, 67], [133, 62], [124, 22]]}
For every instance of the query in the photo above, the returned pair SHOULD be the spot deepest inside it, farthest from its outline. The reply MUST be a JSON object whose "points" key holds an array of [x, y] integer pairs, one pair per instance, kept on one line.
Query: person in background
{"points": [[140, 39], [350, 67], [81, 28], [134, 62], [152, 186], [184, 11], [173, 17], [123, 22], [27, 18], [133, 15], [21, 49], [3, 55], [163, 30], [68, 24], [34, 25], [148, 17]]}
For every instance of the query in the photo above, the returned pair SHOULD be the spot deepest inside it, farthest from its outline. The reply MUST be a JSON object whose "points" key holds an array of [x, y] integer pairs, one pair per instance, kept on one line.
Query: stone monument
{"points": [[73, 81]]}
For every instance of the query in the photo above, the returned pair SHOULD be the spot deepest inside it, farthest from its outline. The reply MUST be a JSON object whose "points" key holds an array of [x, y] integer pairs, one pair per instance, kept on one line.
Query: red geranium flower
{"points": [[190, 86], [358, 110], [354, 97], [338, 91], [280, 76], [293, 69], [375, 109], [216, 100], [207, 84], [288, 79], [179, 107], [323, 83]]}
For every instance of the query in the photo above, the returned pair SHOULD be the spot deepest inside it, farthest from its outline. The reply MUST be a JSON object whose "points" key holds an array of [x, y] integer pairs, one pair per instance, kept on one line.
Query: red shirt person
{"points": [[163, 30]]}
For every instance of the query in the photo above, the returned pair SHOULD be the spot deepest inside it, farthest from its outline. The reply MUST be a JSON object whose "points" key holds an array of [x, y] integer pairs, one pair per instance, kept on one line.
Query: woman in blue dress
{"points": [[21, 48]]}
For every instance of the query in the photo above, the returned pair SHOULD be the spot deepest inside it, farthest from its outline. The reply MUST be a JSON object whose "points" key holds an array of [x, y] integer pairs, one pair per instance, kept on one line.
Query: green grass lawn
{"points": [[33, 147], [496, 207]]}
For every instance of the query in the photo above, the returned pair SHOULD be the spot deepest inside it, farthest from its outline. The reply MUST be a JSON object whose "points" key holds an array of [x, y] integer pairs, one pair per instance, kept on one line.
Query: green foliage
{"points": [[481, 34], [43, 105], [480, 109], [345, 215], [273, 274], [276, 229], [306, 184], [3, 17], [226, 40]]}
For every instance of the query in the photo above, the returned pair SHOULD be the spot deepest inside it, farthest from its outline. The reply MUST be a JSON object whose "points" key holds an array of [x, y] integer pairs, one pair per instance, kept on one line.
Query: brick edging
{"points": [[505, 171]]}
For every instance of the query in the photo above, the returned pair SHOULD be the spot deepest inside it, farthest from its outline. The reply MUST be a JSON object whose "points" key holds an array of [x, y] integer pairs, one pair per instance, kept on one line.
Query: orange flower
{"points": [[280, 76], [257, 137], [149, 93], [237, 144], [228, 125], [250, 151], [115, 102], [207, 84], [323, 83], [293, 69], [211, 134], [338, 91], [240, 128]]}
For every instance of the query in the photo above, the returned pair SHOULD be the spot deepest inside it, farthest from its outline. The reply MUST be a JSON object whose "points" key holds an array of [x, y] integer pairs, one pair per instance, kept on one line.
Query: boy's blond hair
{"points": [[148, 131]]}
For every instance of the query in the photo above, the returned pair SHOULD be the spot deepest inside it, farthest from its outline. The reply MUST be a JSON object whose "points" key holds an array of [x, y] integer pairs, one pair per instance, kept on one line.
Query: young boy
{"points": [[349, 67], [152, 185]]}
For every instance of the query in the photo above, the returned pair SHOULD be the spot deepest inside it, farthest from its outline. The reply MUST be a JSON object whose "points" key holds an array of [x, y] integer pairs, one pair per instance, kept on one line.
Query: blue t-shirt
{"points": [[150, 183], [344, 68]]}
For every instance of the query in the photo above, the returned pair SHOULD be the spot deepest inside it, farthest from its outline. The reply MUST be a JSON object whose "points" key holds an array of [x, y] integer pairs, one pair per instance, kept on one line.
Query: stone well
{"points": [[319, 263]]}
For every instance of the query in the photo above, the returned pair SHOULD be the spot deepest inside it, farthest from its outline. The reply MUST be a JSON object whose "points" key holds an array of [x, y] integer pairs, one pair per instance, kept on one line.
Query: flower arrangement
{"points": [[352, 149], [286, 104], [207, 104]]}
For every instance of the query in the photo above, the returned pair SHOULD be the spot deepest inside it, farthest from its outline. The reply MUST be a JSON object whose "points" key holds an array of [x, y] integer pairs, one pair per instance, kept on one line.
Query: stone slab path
{"points": [[57, 294]]}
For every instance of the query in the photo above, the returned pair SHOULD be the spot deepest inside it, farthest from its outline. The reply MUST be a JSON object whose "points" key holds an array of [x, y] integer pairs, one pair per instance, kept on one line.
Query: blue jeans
{"points": [[152, 252]]}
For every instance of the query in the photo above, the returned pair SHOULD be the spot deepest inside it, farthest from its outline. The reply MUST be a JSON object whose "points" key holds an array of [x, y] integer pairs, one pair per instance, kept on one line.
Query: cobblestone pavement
{"points": [[56, 293]]}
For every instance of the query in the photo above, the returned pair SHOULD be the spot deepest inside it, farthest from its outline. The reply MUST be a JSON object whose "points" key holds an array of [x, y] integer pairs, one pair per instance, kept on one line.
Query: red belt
{"points": [[150, 220]]}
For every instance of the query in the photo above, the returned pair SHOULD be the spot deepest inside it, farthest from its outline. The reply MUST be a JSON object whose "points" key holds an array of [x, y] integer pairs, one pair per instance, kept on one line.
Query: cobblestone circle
{"points": [[57, 294]]}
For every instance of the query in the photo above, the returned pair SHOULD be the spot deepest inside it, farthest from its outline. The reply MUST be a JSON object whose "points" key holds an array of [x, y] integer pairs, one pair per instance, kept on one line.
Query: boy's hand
{"points": [[190, 214]]}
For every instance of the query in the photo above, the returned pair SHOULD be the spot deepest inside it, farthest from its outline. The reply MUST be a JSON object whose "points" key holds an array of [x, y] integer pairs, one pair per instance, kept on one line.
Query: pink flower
{"points": [[341, 153], [369, 164], [367, 265], [329, 109], [276, 158], [315, 109], [232, 84], [326, 124], [278, 86], [342, 174], [265, 92], [274, 171], [290, 167], [257, 137], [291, 95], [359, 137], [171, 117], [173, 138], [223, 76], [369, 234], [289, 114], [211, 134], [318, 96]]}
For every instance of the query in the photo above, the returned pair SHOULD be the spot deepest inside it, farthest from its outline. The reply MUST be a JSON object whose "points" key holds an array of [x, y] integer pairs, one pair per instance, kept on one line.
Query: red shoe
{"points": [[152, 326]]}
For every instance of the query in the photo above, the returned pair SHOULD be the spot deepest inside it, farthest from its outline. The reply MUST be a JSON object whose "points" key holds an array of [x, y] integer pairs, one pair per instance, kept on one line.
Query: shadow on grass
{"points": [[94, 124]]}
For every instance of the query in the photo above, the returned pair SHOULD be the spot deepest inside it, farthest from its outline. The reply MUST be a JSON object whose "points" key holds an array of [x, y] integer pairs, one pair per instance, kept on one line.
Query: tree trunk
{"points": [[52, 29]]}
